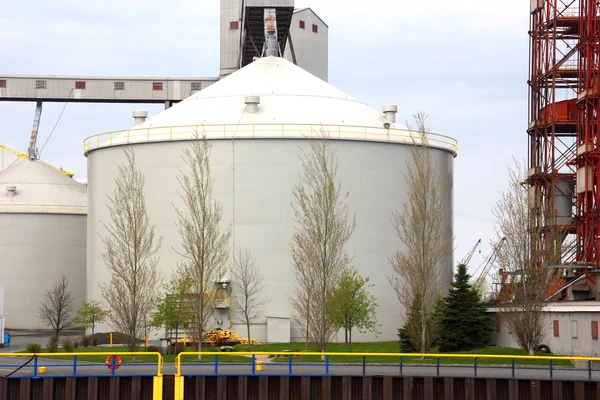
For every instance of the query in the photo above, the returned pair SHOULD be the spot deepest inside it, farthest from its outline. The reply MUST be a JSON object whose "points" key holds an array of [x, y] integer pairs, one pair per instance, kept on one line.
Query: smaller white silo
{"points": [[43, 217]]}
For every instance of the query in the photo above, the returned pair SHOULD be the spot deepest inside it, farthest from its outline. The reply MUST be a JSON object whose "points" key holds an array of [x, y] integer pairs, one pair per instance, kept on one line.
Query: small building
{"points": [[571, 328]]}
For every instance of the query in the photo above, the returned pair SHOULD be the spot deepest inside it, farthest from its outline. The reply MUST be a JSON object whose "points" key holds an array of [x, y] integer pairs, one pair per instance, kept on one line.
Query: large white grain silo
{"points": [[42, 235], [257, 119]]}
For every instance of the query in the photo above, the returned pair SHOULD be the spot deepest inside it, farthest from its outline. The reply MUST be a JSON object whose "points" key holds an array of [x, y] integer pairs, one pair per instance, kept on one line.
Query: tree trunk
{"points": [[248, 327], [92, 340], [423, 333], [350, 339], [346, 334]]}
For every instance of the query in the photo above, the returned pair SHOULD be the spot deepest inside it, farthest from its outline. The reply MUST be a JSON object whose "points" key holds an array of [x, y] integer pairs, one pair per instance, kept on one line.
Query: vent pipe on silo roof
{"points": [[140, 116], [11, 190], [252, 103], [389, 112]]}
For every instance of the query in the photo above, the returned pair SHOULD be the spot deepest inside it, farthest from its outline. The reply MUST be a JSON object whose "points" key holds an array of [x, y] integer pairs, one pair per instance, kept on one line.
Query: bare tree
{"points": [[417, 276], [250, 285], [204, 244], [524, 259], [130, 248], [57, 307], [322, 229]]}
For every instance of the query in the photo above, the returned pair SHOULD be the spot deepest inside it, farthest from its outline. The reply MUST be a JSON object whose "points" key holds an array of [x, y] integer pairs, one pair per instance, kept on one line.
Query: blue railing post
{"points": [[513, 368], [590, 369], [34, 366], [326, 365], [437, 367], [253, 364], [112, 361], [475, 367], [75, 365], [290, 365], [216, 364], [364, 365], [550, 369], [400, 365]]}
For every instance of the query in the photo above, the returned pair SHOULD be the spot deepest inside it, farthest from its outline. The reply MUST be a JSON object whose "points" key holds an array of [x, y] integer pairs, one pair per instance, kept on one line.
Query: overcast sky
{"points": [[464, 62]]}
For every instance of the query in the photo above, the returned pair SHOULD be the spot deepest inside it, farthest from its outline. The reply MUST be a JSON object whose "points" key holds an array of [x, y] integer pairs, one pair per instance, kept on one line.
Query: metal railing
{"points": [[39, 366], [269, 131], [42, 209], [400, 360]]}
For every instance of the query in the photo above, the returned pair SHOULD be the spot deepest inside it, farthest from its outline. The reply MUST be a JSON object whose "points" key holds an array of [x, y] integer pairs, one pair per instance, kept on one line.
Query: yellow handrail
{"points": [[17, 154], [291, 131]]}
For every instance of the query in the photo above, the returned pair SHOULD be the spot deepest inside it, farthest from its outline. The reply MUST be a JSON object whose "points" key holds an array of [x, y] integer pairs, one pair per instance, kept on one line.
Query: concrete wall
{"points": [[230, 38], [564, 344], [265, 172], [312, 49], [36, 249]]}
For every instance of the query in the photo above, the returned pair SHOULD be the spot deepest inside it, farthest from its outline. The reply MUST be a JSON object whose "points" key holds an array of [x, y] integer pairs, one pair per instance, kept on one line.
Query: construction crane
{"points": [[469, 255], [10, 156], [487, 265]]}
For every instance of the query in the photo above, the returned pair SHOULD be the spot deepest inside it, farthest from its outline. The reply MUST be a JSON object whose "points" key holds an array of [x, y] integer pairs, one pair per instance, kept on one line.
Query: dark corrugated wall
{"points": [[298, 388]]}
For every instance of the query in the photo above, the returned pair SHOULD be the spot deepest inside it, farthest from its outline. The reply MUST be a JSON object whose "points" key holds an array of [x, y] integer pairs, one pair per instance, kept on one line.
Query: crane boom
{"points": [[469, 255]]}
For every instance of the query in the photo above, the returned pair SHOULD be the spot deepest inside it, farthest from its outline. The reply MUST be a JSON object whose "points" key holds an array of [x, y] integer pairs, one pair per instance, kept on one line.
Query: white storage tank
{"points": [[42, 235], [257, 119]]}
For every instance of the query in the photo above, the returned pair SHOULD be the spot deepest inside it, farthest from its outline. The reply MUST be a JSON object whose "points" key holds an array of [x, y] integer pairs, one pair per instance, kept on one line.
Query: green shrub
{"points": [[85, 341], [33, 347], [152, 349], [67, 345], [52, 345]]}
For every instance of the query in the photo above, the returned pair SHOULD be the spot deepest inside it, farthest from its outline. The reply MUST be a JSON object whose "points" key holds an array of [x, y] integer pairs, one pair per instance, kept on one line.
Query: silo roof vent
{"points": [[389, 111], [11, 189], [140, 116], [252, 102]]}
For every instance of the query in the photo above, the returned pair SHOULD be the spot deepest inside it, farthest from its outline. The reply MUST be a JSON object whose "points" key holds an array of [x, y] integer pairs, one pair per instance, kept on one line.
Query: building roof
{"points": [[40, 188], [299, 10], [293, 103], [288, 94]]}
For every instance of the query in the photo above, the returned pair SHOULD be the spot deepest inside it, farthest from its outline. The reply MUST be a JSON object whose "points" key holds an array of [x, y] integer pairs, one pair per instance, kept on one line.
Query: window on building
{"points": [[119, 85], [302, 24], [594, 329], [196, 86], [156, 85], [79, 84], [40, 84], [556, 328], [315, 28], [234, 25], [2, 82], [574, 329]]}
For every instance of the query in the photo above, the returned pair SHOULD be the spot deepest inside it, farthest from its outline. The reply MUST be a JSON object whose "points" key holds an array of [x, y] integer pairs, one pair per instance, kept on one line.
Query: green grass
{"points": [[373, 347], [392, 347]]}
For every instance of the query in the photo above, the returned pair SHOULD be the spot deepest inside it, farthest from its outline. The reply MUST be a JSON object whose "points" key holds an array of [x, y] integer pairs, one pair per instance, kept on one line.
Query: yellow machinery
{"points": [[9, 156]]}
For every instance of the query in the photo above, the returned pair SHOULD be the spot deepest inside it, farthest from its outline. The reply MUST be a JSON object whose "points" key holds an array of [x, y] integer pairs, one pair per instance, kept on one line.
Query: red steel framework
{"points": [[588, 145], [564, 145]]}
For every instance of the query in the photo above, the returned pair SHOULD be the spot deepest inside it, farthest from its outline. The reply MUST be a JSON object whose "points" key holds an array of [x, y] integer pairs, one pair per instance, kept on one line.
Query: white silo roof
{"points": [[288, 94], [36, 187], [293, 103]]}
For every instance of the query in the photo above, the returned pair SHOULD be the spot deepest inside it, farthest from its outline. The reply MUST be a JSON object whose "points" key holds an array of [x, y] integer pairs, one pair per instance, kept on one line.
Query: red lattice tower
{"points": [[588, 157], [553, 87]]}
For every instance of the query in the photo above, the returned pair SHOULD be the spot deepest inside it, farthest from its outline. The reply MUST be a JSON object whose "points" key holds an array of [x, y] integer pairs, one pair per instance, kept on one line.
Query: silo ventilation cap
{"points": [[140, 116], [389, 111], [252, 102], [11, 189]]}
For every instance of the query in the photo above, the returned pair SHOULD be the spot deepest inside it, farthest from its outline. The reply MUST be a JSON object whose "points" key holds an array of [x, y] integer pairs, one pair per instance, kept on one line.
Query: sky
{"points": [[463, 62]]}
